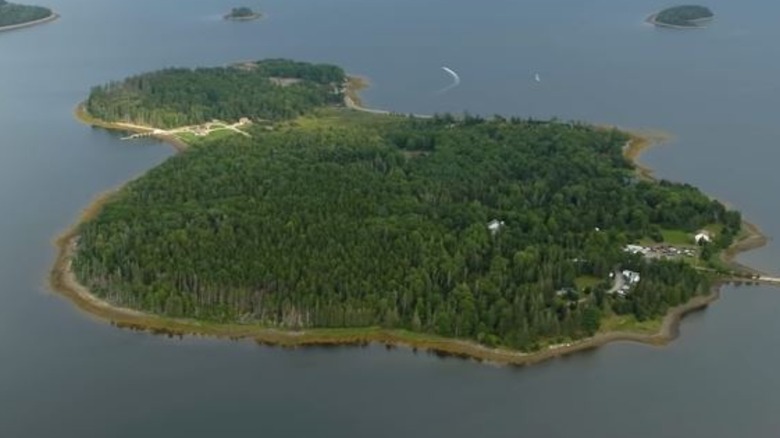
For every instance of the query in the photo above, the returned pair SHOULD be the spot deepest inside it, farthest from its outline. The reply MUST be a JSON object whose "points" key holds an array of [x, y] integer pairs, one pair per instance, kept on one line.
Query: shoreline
{"points": [[752, 237], [51, 17], [248, 18], [81, 114], [255, 16], [353, 102], [651, 19], [62, 279], [637, 144]]}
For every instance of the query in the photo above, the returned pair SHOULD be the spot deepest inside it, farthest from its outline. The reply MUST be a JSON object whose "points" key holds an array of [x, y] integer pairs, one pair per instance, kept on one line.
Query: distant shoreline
{"points": [[252, 17], [63, 280], [652, 20], [51, 17]]}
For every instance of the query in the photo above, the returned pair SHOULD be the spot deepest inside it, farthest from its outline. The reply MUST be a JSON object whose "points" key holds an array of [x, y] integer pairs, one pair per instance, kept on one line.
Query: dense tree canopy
{"points": [[352, 224], [11, 13], [271, 89], [242, 12], [686, 15]]}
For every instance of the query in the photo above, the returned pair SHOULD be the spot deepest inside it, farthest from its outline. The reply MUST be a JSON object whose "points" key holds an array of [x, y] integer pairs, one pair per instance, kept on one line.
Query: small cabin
{"points": [[495, 226], [703, 236], [631, 277]]}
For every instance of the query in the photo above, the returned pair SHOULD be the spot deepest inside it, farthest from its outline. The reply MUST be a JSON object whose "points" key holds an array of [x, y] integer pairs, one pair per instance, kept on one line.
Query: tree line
{"points": [[179, 96], [683, 15], [11, 13], [241, 12]]}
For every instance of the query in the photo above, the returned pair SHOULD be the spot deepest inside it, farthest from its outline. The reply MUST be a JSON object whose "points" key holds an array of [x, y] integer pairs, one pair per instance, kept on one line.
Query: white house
{"points": [[495, 225], [703, 236], [630, 276]]}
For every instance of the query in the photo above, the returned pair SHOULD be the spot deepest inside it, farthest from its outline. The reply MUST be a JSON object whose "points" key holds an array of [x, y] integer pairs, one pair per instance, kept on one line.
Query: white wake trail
{"points": [[455, 80]]}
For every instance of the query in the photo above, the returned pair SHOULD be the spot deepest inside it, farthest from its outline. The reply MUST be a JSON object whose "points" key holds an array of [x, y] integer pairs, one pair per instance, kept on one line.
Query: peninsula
{"points": [[16, 16], [502, 239], [686, 16], [242, 13]]}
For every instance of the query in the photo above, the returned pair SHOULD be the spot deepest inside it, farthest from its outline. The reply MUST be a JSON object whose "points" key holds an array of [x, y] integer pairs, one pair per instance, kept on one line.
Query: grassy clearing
{"points": [[585, 281], [677, 237], [343, 117], [188, 137], [195, 140], [629, 323], [716, 229]]}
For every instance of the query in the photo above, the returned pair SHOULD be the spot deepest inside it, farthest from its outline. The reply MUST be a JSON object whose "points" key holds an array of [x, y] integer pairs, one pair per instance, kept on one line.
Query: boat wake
{"points": [[455, 80]]}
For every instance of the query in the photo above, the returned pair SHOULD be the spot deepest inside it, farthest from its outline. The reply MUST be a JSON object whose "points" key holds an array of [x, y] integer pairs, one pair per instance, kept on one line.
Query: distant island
{"points": [[15, 16], [293, 219], [242, 13], [686, 16]]}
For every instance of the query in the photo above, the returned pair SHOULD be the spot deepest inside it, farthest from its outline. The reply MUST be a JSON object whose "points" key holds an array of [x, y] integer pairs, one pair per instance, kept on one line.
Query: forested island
{"points": [[340, 225], [269, 90], [14, 16], [242, 13], [686, 16]]}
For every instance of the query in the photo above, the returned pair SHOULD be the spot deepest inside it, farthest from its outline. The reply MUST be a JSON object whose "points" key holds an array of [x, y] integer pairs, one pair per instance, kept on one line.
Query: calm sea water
{"points": [[64, 374]]}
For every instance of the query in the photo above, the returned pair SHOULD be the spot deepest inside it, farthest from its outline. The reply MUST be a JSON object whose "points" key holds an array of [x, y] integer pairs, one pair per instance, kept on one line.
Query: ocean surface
{"points": [[715, 92]]}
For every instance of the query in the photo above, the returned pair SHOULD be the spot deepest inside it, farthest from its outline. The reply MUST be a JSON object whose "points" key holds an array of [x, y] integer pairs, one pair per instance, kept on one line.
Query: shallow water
{"points": [[716, 90]]}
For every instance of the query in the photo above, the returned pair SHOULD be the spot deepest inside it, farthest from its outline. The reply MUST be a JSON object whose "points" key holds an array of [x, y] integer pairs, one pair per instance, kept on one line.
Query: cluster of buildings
{"points": [[630, 279], [660, 251], [625, 281], [669, 251]]}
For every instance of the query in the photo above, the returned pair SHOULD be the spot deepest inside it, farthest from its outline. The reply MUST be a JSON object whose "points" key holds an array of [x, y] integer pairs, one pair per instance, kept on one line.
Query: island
{"points": [[292, 219], [15, 16], [242, 13], [686, 16]]}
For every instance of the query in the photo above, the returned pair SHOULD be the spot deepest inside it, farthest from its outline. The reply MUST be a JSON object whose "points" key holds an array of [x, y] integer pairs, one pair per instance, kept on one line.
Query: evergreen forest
{"points": [[242, 13], [462, 227], [686, 15], [11, 13], [267, 90]]}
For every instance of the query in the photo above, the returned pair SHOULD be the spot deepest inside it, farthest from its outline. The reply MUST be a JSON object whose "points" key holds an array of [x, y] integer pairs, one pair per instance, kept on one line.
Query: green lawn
{"points": [[714, 229], [586, 281], [629, 323], [326, 117], [677, 237]]}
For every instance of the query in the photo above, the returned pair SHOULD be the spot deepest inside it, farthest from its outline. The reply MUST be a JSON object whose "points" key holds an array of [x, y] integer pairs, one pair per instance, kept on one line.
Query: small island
{"points": [[292, 219], [242, 13], [15, 16], [686, 16]]}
